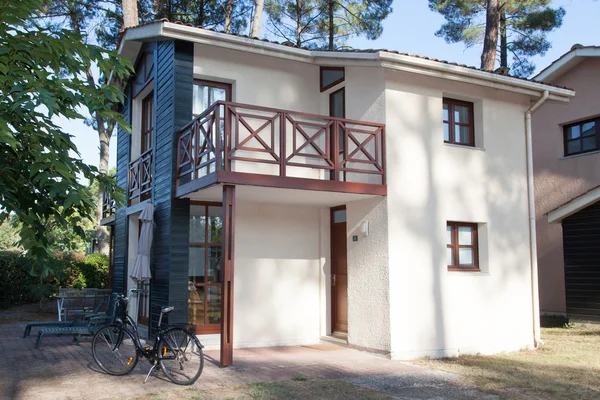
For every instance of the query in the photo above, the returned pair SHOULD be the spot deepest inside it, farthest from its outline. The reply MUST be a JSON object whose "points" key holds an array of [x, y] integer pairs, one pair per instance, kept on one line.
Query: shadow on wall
{"points": [[502, 186], [422, 222]]}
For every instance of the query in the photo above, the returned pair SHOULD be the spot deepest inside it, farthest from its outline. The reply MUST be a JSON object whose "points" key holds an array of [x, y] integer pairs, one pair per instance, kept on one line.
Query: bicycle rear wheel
{"points": [[180, 355], [114, 350]]}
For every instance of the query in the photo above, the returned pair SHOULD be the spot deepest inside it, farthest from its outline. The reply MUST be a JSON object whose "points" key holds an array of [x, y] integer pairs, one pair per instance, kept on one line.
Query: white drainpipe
{"points": [[535, 304]]}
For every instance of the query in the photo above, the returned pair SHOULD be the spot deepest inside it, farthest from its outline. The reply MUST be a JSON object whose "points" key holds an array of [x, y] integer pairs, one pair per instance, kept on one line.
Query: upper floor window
{"points": [[147, 122], [461, 246], [206, 93], [581, 137], [331, 76], [459, 125], [144, 72]]}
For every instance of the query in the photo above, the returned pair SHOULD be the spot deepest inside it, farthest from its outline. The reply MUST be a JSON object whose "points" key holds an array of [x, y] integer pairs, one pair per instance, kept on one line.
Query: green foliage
{"points": [[9, 236], [42, 76], [15, 280], [306, 22], [94, 268], [75, 271], [527, 24]]}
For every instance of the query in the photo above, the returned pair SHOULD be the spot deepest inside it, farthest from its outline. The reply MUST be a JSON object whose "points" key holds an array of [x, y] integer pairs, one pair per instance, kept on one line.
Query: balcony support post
{"points": [[228, 255]]}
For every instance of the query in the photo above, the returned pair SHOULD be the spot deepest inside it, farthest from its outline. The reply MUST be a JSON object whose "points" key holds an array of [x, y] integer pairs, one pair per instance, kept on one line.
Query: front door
{"points": [[339, 275]]}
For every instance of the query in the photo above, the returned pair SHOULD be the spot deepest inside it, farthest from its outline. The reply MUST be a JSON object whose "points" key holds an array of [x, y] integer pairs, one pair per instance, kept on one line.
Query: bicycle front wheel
{"points": [[181, 357], [114, 350]]}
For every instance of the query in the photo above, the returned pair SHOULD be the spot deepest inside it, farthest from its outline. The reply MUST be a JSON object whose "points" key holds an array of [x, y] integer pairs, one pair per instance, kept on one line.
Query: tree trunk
{"points": [[101, 234], [503, 41], [104, 134], [257, 19], [331, 27], [228, 15], [490, 41], [130, 13], [298, 25], [200, 17]]}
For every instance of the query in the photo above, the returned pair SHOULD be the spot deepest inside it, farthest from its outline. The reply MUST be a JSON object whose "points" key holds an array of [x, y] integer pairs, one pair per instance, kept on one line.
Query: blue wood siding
{"points": [[121, 238], [173, 90], [581, 235]]}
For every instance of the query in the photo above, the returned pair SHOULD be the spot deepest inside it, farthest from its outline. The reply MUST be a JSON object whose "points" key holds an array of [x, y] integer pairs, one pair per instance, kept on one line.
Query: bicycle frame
{"points": [[125, 326]]}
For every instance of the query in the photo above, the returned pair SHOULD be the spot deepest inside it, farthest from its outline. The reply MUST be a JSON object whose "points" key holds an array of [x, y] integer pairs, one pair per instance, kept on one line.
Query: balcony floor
{"points": [[270, 195]]}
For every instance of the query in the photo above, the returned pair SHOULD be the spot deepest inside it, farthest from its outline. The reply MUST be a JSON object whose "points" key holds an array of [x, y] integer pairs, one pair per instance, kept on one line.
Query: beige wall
{"points": [[435, 312], [259, 80], [277, 275], [557, 178], [402, 299]]}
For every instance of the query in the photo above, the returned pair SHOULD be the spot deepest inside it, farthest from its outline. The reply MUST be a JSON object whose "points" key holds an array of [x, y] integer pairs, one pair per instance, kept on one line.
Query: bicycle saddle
{"points": [[166, 309]]}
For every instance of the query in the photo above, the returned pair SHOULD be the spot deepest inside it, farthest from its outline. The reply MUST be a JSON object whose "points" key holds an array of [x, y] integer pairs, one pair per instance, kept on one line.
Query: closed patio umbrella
{"points": [[141, 269]]}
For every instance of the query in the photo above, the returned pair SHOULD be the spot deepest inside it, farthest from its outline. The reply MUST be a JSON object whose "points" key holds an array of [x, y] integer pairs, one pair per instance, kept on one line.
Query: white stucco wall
{"points": [[402, 299], [435, 312], [368, 278], [277, 275], [259, 80]]}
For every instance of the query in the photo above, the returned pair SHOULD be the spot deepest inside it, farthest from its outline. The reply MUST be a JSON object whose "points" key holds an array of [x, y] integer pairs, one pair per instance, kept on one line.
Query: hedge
{"points": [[70, 271]]}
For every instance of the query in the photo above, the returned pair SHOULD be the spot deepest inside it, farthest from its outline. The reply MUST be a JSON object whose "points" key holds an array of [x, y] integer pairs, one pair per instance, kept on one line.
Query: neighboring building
{"points": [[377, 197], [566, 145]]}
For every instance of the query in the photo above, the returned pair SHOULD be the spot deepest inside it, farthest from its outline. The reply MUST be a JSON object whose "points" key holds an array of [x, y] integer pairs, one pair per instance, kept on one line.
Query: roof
{"points": [[574, 205], [566, 62], [178, 29]]}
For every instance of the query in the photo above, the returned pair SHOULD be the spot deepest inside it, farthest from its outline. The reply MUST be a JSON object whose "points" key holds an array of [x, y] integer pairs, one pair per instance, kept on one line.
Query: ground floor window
{"points": [[205, 267], [461, 246]]}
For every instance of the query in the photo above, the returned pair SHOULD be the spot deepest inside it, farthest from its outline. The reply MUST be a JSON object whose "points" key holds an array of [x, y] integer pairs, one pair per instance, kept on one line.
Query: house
{"points": [[375, 197], [566, 154]]}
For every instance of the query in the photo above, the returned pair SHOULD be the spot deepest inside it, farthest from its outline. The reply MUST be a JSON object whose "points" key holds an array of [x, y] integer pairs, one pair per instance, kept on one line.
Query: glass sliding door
{"points": [[205, 267]]}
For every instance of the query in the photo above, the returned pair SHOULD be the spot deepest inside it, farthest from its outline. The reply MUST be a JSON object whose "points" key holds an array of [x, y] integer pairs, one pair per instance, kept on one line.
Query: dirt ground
{"points": [[29, 312]]}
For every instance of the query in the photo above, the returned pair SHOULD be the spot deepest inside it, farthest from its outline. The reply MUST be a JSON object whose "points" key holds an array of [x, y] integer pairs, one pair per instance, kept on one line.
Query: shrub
{"points": [[74, 270], [16, 281], [94, 268]]}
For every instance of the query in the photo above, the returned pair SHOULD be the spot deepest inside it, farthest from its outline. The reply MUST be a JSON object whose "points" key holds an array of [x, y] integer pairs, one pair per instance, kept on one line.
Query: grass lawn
{"points": [[288, 390], [567, 366]]}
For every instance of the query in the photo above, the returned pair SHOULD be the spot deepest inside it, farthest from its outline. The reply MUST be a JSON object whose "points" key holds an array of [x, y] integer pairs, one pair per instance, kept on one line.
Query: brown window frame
{"points": [[214, 84], [596, 121], [147, 131], [337, 82], [451, 123], [206, 328], [455, 246]]}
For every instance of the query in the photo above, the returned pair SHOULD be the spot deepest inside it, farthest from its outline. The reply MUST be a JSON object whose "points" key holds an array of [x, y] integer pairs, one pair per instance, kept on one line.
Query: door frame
{"points": [[332, 299]]}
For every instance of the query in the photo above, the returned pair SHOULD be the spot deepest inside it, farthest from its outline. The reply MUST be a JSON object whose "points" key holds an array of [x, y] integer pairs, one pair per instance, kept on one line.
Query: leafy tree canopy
{"points": [[42, 76], [309, 23], [527, 25]]}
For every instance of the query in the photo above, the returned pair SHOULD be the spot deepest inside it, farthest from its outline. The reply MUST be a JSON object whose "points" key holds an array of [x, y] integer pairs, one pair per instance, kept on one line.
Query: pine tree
{"points": [[514, 28], [296, 21], [326, 23]]}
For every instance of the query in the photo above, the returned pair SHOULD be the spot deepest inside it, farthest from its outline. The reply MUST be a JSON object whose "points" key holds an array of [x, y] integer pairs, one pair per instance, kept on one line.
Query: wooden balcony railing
{"points": [[233, 137], [140, 176], [108, 205]]}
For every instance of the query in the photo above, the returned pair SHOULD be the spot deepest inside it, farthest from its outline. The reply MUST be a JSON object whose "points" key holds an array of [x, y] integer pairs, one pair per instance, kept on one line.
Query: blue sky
{"points": [[410, 29]]}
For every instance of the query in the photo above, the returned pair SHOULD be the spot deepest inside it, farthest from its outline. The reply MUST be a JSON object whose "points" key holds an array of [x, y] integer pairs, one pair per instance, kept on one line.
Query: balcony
{"points": [[108, 205], [140, 177], [234, 143]]}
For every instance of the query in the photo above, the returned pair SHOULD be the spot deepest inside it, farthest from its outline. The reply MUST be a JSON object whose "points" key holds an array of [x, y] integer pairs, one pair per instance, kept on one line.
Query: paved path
{"points": [[63, 370]]}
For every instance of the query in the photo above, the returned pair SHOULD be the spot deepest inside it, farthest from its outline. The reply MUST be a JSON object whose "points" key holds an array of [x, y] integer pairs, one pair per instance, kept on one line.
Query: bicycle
{"points": [[178, 353]]}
